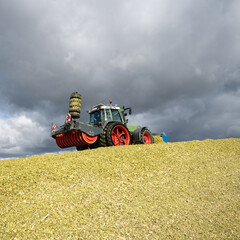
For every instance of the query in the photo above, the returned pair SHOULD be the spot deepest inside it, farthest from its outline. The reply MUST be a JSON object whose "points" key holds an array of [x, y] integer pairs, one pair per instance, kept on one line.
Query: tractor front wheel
{"points": [[117, 134], [146, 137]]}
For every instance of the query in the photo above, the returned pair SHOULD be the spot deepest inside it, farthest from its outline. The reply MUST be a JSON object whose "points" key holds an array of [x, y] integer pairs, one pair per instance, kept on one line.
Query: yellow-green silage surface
{"points": [[182, 190]]}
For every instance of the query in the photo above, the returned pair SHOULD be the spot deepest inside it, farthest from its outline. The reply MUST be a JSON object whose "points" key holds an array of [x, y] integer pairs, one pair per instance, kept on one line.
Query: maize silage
{"points": [[182, 190]]}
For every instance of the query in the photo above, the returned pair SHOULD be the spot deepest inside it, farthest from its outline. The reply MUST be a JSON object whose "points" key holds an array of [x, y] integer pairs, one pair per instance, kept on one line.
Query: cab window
{"points": [[95, 118], [108, 115], [116, 115]]}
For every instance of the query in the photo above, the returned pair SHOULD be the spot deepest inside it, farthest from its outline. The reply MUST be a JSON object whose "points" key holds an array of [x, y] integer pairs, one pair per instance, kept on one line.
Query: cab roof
{"points": [[102, 106]]}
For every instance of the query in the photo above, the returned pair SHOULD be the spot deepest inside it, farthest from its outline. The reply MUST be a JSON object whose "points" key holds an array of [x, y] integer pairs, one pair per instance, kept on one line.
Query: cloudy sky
{"points": [[175, 62]]}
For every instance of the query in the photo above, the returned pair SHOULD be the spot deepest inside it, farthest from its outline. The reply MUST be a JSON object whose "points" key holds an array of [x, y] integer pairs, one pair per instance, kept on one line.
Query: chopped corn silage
{"points": [[181, 190]]}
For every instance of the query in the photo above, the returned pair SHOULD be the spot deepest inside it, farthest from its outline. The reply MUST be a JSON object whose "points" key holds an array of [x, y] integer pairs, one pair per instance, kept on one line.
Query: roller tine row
{"points": [[79, 140], [58, 140], [70, 139], [65, 141]]}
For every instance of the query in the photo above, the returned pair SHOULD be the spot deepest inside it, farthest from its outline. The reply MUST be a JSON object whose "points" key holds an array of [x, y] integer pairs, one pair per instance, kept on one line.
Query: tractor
{"points": [[107, 126]]}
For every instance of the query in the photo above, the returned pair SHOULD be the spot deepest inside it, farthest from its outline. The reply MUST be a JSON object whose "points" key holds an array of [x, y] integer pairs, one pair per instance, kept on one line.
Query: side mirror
{"points": [[130, 110]]}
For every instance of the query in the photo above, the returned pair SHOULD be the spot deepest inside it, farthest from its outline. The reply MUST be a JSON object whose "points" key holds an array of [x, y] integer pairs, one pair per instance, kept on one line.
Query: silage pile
{"points": [[183, 190]]}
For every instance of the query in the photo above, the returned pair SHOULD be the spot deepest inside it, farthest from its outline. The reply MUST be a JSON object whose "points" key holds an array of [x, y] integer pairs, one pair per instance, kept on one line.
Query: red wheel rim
{"points": [[89, 139], [147, 138], [120, 136]]}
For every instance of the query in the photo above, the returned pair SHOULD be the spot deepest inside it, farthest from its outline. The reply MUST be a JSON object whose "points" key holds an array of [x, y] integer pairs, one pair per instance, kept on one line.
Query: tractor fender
{"points": [[107, 122], [136, 135]]}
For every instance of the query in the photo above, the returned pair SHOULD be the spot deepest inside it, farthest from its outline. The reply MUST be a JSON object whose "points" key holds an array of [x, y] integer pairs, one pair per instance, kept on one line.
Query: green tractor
{"points": [[108, 126]]}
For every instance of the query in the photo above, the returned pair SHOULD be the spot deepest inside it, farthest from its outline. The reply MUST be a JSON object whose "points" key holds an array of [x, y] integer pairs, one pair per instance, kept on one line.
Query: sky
{"points": [[176, 63]]}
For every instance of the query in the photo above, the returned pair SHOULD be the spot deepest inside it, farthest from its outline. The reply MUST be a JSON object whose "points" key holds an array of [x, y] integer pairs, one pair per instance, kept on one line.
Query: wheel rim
{"points": [[147, 138], [89, 139], [120, 136]]}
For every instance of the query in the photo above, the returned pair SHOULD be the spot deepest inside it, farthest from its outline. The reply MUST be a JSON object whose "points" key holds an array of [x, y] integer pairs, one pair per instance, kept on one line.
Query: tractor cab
{"points": [[101, 113]]}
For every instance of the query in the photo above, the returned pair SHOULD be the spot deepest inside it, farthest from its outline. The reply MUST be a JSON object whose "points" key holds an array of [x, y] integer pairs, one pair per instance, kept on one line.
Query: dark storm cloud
{"points": [[175, 62]]}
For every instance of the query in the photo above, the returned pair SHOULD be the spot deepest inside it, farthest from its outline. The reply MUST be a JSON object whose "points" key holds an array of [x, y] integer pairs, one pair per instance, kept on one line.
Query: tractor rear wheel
{"points": [[146, 136], [117, 134], [80, 148]]}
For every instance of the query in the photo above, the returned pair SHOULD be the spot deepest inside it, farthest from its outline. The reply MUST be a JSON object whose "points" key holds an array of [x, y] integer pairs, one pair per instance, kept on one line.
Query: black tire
{"points": [[125, 135], [75, 95], [146, 137], [75, 114], [105, 138], [80, 148], [101, 141], [74, 109], [75, 105]]}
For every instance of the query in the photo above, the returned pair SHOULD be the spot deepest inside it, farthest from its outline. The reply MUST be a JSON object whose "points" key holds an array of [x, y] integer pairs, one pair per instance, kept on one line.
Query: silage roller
{"points": [[74, 138]]}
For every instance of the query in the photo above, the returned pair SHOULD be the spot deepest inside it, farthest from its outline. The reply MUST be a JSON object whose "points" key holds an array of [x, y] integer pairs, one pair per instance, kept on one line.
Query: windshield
{"points": [[103, 115]]}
